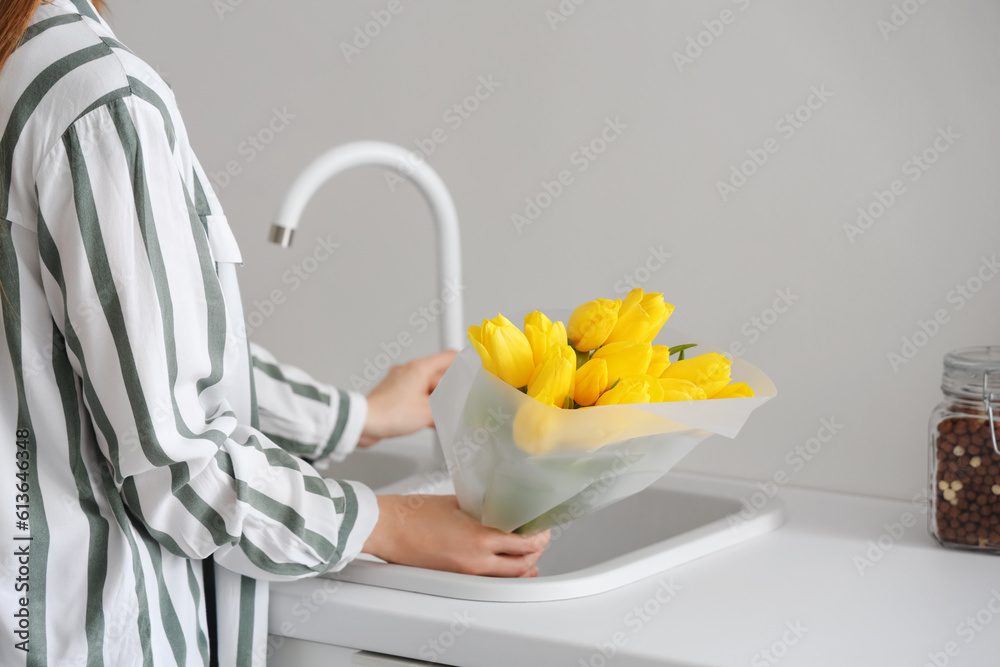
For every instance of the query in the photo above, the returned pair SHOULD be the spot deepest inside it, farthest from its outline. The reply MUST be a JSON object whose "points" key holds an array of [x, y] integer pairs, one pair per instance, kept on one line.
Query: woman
{"points": [[143, 436]]}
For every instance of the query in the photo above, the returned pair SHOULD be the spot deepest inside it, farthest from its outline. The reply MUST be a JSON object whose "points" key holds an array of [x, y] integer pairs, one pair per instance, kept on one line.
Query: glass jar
{"points": [[964, 452]]}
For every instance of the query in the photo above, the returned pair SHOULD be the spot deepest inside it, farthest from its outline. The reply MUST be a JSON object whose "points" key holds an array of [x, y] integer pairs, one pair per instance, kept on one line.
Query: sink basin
{"points": [[373, 469], [384, 466], [678, 519]]}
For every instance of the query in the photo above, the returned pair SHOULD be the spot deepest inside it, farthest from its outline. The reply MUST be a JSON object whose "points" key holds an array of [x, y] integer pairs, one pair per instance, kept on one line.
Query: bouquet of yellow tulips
{"points": [[604, 356], [552, 422]]}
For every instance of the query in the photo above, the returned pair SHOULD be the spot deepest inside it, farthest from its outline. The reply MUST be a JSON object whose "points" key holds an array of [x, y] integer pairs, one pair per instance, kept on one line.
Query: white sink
{"points": [[385, 465], [375, 469], [678, 519]]}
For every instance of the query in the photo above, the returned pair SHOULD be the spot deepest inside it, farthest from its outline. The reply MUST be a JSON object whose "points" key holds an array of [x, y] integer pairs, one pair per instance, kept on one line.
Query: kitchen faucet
{"points": [[418, 172]]}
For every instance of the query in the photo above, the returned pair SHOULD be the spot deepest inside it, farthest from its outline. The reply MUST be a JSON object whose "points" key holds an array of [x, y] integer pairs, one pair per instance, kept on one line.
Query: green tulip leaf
{"points": [[680, 349]]}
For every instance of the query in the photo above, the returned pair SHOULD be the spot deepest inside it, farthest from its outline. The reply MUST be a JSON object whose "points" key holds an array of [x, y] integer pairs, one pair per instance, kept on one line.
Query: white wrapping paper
{"points": [[520, 465]]}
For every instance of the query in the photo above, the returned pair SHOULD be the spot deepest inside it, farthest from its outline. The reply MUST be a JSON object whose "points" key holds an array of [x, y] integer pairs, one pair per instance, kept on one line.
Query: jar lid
{"points": [[964, 371]]}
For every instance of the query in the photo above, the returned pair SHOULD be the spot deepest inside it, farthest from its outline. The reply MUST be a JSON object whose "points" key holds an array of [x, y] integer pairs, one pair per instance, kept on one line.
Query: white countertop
{"points": [[797, 591]]}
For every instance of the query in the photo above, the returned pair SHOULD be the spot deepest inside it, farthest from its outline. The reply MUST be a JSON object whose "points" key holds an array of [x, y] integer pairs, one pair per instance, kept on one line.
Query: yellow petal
{"points": [[640, 317], [475, 335], [535, 428], [591, 381], [590, 324], [538, 342], [538, 319], [659, 312], [552, 380], [558, 333], [628, 390], [502, 321], [626, 317], [708, 371], [675, 389], [510, 352], [655, 388], [542, 334], [625, 358], [734, 390], [567, 352], [659, 361]]}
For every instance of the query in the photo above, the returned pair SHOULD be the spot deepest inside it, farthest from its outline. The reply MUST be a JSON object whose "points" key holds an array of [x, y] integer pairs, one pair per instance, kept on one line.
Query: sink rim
{"points": [[615, 572]]}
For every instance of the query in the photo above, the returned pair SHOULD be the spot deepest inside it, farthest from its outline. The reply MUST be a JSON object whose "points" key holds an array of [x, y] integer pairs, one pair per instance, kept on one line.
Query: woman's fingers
{"points": [[436, 365], [519, 545], [513, 566], [398, 405], [435, 533], [517, 555]]}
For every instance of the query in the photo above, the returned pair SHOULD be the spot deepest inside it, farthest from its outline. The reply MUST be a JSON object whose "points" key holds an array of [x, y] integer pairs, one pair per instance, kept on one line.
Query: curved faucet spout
{"points": [[417, 171]]}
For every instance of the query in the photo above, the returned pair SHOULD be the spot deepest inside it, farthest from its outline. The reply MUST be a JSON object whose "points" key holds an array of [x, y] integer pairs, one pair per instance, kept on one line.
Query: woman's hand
{"points": [[399, 405], [432, 532]]}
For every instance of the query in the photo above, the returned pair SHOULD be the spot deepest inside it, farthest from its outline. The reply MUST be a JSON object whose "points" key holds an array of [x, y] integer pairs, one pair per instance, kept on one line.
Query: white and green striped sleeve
{"points": [[131, 284], [308, 418]]}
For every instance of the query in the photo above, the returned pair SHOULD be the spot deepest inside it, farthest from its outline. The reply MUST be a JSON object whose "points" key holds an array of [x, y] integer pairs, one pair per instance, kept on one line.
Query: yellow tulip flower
{"points": [[625, 359], [590, 324], [536, 428], [635, 389], [552, 380], [541, 333], [708, 371], [675, 389], [475, 335], [659, 361], [734, 390], [640, 317], [504, 350], [655, 389], [591, 381]]}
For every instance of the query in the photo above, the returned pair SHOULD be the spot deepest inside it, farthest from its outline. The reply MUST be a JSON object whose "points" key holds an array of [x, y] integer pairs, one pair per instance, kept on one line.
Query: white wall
{"points": [[655, 186]]}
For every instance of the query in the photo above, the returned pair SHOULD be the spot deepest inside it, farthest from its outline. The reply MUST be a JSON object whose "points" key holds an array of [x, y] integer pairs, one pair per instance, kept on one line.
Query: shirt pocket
{"points": [[221, 240]]}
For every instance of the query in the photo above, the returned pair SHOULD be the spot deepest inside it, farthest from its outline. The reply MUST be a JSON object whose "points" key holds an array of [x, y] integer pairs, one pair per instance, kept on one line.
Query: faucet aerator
{"points": [[281, 235]]}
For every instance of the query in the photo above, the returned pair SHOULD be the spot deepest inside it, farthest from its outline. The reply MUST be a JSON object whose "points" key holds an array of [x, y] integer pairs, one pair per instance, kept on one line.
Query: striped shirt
{"points": [[140, 431]]}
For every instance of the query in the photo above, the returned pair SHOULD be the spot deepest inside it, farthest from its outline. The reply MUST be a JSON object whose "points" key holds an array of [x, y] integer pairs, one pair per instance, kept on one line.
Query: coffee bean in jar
{"points": [[965, 454]]}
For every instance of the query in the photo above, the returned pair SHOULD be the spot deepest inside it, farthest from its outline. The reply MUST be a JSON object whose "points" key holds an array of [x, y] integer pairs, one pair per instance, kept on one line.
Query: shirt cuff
{"points": [[367, 514]]}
